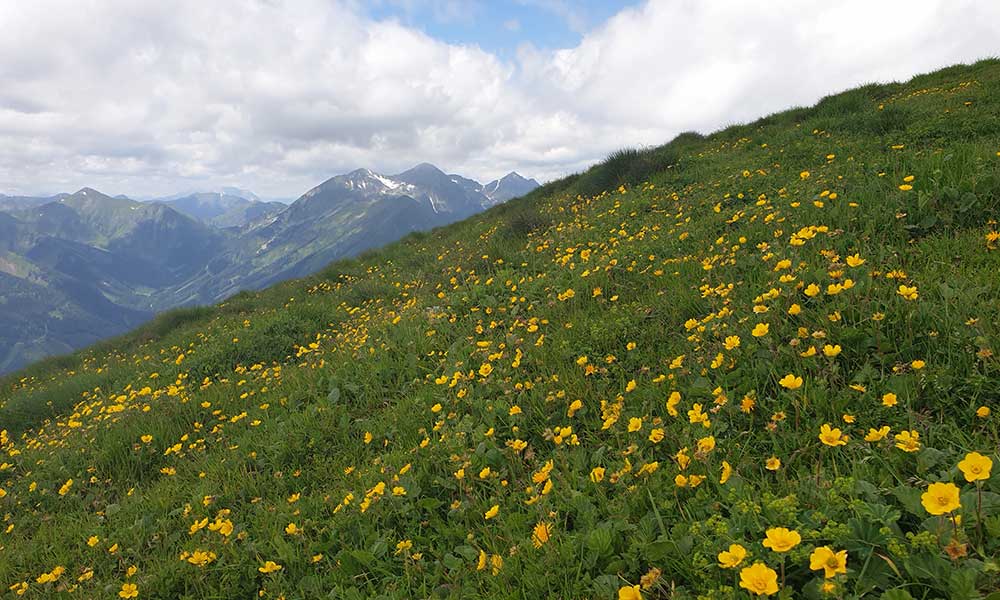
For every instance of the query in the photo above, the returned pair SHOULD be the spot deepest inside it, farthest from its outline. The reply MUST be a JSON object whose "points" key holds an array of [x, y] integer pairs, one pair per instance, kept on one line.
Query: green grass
{"points": [[259, 409]]}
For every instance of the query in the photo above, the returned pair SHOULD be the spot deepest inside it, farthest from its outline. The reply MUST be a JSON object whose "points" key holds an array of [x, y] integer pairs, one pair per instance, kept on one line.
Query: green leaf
{"points": [[896, 594], [599, 542], [962, 585], [453, 562], [928, 458], [909, 497], [467, 552]]}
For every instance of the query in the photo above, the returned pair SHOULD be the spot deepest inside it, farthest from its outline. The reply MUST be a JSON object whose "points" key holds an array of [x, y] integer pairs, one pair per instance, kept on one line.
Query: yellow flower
{"points": [[732, 341], [759, 579], [830, 562], [541, 533], [855, 260], [292, 529], [804, 175], [673, 400], [760, 329], [129, 590], [93, 541], [831, 351], [908, 441], [496, 561], [907, 292], [773, 464], [485, 369], [146, 438], [790, 382], [199, 558], [731, 558], [975, 467], [20, 588], [917, 365], [832, 436], [656, 435], [270, 567], [727, 472], [781, 539], [597, 474], [514, 410], [794, 309], [66, 487], [223, 526], [983, 412], [492, 512], [812, 290], [876, 435], [629, 592], [403, 546], [941, 498], [650, 578], [634, 424], [889, 399], [51, 576], [573, 407]]}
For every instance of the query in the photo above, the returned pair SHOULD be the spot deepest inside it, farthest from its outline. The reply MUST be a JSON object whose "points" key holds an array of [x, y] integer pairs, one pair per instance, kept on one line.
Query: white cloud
{"points": [[277, 95]]}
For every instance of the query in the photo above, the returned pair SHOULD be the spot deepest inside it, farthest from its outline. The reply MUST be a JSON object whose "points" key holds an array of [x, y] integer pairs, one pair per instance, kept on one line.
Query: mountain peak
{"points": [[424, 168], [511, 185], [88, 191]]}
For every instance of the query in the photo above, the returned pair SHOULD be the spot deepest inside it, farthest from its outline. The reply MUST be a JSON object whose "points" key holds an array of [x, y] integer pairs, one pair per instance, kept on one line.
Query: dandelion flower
{"points": [[541, 534]]}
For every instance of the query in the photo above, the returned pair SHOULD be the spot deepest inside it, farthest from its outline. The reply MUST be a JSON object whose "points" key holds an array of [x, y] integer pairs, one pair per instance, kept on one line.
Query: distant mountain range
{"points": [[76, 268]]}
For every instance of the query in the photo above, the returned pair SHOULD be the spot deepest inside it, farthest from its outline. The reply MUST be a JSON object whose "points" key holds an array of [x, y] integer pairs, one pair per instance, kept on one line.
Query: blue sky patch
{"points": [[501, 26]]}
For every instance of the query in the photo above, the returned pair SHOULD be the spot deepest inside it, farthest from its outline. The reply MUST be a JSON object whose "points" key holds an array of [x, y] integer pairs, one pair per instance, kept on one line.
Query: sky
{"points": [[147, 98]]}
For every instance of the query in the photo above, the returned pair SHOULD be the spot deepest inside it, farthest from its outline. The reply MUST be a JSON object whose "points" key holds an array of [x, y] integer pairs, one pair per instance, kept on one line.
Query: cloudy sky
{"points": [[147, 97]]}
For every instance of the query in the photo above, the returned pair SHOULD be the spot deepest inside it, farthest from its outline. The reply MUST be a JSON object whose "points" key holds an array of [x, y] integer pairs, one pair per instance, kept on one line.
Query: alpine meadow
{"points": [[760, 362]]}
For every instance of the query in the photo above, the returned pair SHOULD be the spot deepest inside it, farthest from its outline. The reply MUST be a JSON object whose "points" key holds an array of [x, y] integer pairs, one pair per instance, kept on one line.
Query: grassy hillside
{"points": [[606, 384]]}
